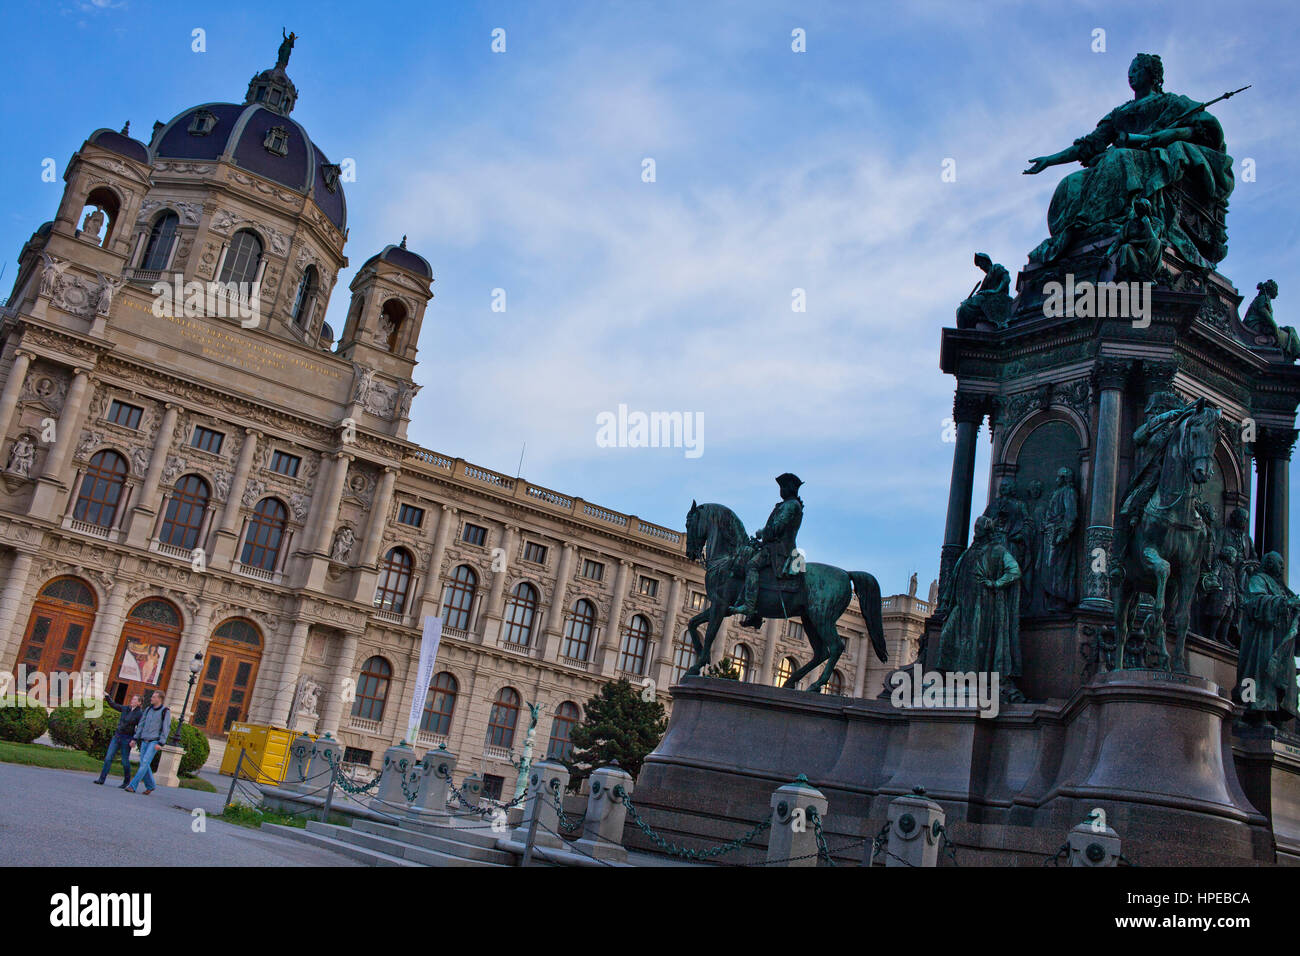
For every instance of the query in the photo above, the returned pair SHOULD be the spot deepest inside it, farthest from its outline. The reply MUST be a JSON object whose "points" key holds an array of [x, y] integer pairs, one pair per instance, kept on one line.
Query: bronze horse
{"points": [[715, 533], [1167, 547]]}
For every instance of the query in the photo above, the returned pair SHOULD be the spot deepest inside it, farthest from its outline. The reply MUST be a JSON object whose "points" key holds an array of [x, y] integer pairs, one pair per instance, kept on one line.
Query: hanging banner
{"points": [[428, 655]]}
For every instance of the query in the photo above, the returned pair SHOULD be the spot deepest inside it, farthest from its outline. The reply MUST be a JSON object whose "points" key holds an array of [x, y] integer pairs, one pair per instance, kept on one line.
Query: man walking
{"points": [[121, 742], [155, 722]]}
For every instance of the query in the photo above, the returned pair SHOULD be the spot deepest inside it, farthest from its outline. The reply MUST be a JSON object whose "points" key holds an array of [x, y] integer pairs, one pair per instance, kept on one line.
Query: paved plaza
{"points": [[59, 818]]}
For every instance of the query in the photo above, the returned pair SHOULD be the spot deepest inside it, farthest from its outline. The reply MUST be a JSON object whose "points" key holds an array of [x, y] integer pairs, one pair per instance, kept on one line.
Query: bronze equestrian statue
{"points": [[1161, 534], [773, 547], [817, 597]]}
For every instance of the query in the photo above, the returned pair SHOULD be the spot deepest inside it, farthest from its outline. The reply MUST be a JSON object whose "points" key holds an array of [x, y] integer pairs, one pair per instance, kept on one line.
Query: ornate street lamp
{"points": [[196, 665]]}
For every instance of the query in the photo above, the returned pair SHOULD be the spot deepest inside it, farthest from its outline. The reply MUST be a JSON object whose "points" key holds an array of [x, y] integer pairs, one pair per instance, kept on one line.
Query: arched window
{"points": [[306, 297], [99, 216], [636, 638], [265, 535], [242, 258], [440, 704], [578, 630], [162, 237], [504, 717], [561, 745], [372, 689], [391, 317], [183, 520], [156, 611], [835, 685], [787, 667], [519, 614], [744, 659], [101, 489], [683, 656], [458, 597], [394, 581], [239, 631]]}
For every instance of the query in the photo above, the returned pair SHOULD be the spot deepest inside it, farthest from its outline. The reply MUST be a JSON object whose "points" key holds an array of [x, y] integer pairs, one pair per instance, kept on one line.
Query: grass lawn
{"points": [[246, 816], [63, 758]]}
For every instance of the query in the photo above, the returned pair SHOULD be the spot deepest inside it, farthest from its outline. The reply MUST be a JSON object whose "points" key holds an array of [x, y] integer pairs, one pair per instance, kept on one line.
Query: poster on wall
{"points": [[142, 662]]}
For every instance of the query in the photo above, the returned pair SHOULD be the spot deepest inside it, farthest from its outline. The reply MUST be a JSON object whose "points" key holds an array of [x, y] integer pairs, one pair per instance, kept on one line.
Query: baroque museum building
{"points": [[196, 483]]}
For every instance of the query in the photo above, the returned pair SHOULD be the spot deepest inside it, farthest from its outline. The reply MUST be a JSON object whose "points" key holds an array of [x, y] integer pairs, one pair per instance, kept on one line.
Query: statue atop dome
{"points": [[1161, 147], [286, 48]]}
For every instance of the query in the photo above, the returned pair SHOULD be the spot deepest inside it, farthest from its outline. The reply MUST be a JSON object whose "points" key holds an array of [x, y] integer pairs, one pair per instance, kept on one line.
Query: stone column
{"points": [[13, 388], [1110, 376], [223, 547], [332, 712], [11, 630], [1093, 844], [195, 641], [673, 624], [602, 824], [547, 780], [796, 810], [968, 411], [142, 519], [494, 612], [49, 486], [102, 646], [289, 674], [431, 594], [912, 839], [378, 518], [434, 787], [613, 634], [319, 539], [771, 631], [553, 632]]}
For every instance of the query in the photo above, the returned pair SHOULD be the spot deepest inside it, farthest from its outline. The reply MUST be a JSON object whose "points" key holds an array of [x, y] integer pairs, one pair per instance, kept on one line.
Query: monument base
{"points": [[1150, 750]]}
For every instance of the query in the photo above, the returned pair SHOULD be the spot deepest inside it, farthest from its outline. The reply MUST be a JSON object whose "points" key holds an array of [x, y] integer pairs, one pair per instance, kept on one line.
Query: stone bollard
{"points": [[795, 807], [602, 826], [169, 766], [915, 822], [1093, 843], [398, 761], [546, 782], [434, 775], [297, 775]]}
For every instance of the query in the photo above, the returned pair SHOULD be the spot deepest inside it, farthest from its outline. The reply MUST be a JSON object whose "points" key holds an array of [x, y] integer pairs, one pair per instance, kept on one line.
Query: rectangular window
{"points": [[128, 416], [593, 570], [648, 586], [355, 755], [697, 600], [473, 534], [409, 514], [535, 553], [492, 785], [205, 439], [284, 463]]}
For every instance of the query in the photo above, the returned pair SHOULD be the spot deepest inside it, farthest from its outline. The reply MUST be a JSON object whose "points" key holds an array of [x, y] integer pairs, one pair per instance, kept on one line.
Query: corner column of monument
{"points": [[142, 518], [49, 486], [1273, 504], [968, 411], [225, 538], [1110, 376]]}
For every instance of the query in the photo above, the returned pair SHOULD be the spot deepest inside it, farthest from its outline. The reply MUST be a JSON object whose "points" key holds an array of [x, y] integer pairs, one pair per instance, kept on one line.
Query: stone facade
{"points": [[185, 480]]}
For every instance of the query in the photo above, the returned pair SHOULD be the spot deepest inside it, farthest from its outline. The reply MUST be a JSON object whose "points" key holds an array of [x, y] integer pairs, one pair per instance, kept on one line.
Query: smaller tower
{"points": [[389, 295]]}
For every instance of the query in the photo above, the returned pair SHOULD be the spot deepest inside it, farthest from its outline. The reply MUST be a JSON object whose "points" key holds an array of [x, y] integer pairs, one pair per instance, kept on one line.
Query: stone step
{"points": [[471, 846], [399, 847], [328, 842], [476, 833]]}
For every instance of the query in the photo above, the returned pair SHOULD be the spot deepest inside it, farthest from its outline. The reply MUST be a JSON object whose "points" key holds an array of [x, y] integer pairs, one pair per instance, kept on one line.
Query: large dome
{"points": [[260, 140]]}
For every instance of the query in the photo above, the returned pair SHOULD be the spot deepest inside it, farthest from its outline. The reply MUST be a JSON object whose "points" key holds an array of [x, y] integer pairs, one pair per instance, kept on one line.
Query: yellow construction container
{"points": [[266, 752]]}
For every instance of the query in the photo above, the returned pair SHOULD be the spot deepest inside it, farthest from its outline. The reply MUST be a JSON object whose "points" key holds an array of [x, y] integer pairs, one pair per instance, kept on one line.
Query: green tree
{"points": [[725, 669], [617, 724]]}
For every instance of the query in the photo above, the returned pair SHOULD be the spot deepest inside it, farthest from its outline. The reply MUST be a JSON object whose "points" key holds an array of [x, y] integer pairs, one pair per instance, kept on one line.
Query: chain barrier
{"points": [[946, 846], [822, 849], [342, 781], [1061, 854], [687, 853], [566, 823]]}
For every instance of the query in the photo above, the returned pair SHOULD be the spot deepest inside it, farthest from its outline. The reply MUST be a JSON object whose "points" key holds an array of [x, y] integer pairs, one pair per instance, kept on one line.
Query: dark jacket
{"points": [[126, 723]]}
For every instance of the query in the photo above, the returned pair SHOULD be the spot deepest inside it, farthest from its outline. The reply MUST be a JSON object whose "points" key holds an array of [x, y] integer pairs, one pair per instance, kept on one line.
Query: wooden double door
{"points": [[58, 630], [225, 687]]}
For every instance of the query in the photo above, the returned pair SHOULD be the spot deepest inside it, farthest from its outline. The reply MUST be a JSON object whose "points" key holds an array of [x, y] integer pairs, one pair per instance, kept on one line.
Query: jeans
{"points": [[147, 749], [118, 746]]}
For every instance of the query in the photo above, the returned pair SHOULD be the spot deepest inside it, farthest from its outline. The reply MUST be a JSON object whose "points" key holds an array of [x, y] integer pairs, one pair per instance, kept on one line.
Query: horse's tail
{"points": [[868, 591]]}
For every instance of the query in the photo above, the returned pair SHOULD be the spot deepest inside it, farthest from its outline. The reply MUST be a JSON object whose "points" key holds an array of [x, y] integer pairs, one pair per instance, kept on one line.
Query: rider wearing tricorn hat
{"points": [[773, 547]]}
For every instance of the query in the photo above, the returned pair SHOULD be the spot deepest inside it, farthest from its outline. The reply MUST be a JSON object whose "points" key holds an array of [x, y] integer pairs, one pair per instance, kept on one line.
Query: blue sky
{"points": [[774, 171]]}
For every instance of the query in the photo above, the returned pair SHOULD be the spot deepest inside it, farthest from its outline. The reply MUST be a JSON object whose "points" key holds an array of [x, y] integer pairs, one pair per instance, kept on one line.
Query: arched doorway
{"points": [[59, 628], [229, 672], [146, 653]]}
